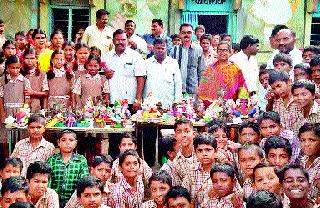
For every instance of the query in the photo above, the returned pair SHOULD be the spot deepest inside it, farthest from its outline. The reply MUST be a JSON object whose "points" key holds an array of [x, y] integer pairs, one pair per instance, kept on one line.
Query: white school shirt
{"points": [[126, 67], [164, 80]]}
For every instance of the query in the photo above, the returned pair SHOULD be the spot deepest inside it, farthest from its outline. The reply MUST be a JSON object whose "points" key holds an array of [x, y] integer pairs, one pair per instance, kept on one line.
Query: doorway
{"points": [[214, 24]]}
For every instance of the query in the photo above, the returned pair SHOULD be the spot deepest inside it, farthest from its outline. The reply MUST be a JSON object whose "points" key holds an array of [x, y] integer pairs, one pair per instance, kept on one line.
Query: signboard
{"points": [[208, 5], [70, 2]]}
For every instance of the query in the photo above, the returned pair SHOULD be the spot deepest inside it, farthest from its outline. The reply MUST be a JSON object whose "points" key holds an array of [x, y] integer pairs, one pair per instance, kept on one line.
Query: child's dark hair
{"points": [[224, 168], [15, 162], [262, 66], [248, 40], [281, 173], [167, 144], [27, 51], [10, 60], [257, 148], [282, 57], [95, 48], [38, 167], [176, 192], [38, 31], [6, 43], [13, 184], [263, 71], [204, 138], [127, 153], [56, 32], [264, 199], [98, 159], [161, 176], [77, 47], [306, 84], [37, 118], [263, 165], [128, 135], [88, 182], [21, 205], [278, 76], [68, 43], [277, 142], [205, 37], [20, 33], [315, 61], [305, 67], [313, 49], [50, 73], [250, 125], [218, 125], [175, 36], [235, 47], [93, 57], [67, 131], [270, 115], [314, 127], [182, 121]]}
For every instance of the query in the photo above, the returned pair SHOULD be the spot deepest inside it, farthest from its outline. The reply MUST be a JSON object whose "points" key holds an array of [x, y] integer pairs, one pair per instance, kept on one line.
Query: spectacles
{"points": [[222, 50]]}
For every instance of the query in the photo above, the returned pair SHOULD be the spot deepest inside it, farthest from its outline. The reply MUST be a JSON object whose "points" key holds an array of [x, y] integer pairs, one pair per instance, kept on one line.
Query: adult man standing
{"points": [[285, 40], [190, 59], [99, 35], [163, 76], [247, 61], [157, 32], [127, 79], [134, 41]]}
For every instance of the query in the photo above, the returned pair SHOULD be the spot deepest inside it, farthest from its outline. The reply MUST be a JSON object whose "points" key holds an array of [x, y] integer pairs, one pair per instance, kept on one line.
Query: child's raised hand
{"points": [[109, 73], [270, 95], [237, 200]]}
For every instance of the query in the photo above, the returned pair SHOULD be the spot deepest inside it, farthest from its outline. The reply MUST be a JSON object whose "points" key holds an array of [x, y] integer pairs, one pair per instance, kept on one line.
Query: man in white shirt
{"points": [[247, 61], [286, 39], [163, 76], [100, 34], [128, 71], [134, 41]]}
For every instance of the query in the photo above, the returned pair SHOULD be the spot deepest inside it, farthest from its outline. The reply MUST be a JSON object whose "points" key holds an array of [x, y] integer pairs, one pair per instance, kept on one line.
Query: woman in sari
{"points": [[222, 79]]}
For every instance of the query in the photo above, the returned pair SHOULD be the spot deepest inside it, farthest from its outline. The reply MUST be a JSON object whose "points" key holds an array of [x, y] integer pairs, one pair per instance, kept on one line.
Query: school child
{"points": [[14, 189], [95, 50], [38, 175], [82, 55], [225, 147], [8, 49], [68, 48], [249, 156], [265, 178], [278, 151], [57, 40], [176, 39], [90, 192], [269, 125], [38, 82], [169, 148], [21, 205], [67, 167], [182, 163], [295, 184], [309, 53], [249, 133], [178, 196], [302, 71], [304, 93], [20, 42], [34, 148], [10, 167], [283, 62], [283, 103], [91, 84], [159, 184], [129, 191], [128, 141], [264, 199], [309, 135], [12, 95], [101, 168], [205, 147], [224, 192], [264, 88], [315, 73], [60, 80]]}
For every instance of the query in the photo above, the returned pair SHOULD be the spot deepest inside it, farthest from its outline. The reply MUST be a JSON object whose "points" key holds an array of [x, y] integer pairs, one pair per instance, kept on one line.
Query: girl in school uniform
{"points": [[60, 81], [69, 53], [39, 84], [82, 55], [91, 84], [12, 93]]}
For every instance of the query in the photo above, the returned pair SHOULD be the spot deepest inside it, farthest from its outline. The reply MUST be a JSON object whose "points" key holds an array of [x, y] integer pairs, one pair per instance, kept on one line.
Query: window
{"points": [[69, 19]]}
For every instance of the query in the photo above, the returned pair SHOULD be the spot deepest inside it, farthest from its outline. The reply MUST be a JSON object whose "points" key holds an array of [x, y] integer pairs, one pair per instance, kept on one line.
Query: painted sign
{"points": [[208, 5]]}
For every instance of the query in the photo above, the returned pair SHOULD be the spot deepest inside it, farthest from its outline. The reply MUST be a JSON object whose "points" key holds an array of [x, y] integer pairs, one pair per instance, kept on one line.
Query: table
{"points": [[13, 131]]}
